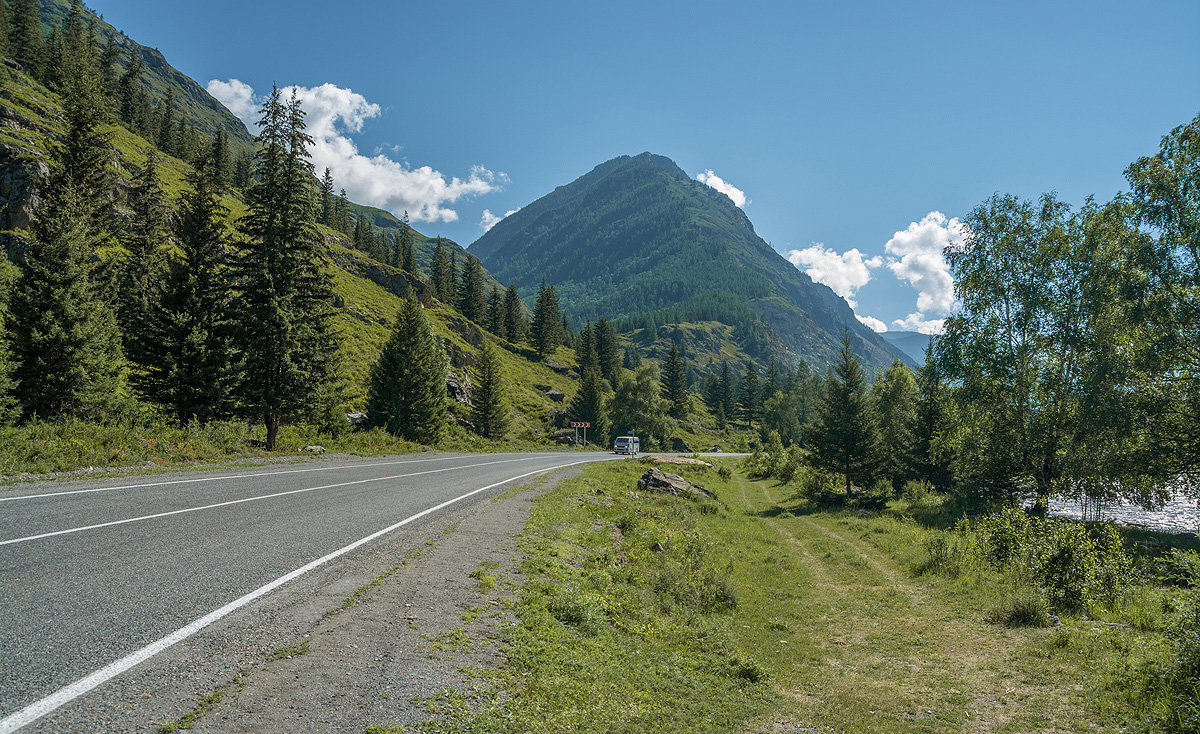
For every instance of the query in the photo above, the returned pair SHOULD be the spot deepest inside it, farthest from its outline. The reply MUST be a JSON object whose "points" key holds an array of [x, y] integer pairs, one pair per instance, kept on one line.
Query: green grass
{"points": [[206, 704], [764, 613], [290, 651]]}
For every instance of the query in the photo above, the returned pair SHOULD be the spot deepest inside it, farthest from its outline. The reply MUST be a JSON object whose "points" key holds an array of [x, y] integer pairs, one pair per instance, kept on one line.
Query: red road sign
{"points": [[580, 424]]}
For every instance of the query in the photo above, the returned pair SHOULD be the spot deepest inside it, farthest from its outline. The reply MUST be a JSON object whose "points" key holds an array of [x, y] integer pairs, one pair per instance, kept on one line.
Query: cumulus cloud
{"points": [[333, 114], [918, 322], [734, 193], [844, 273], [916, 258], [872, 323], [488, 220]]}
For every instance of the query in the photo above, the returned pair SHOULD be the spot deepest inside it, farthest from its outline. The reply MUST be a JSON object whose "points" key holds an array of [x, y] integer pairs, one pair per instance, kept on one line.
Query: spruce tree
{"points": [[65, 340], [5, 28], [25, 37], [144, 238], [166, 124], [589, 406], [451, 278], [844, 435], [186, 351], [285, 315], [750, 399], [728, 393], [129, 92], [546, 330], [495, 311], [243, 171], [585, 350], [408, 258], [674, 383], [326, 211], [470, 290], [221, 160], [607, 350], [514, 318], [932, 463], [438, 270], [407, 394], [489, 409], [894, 395], [9, 409], [362, 231]]}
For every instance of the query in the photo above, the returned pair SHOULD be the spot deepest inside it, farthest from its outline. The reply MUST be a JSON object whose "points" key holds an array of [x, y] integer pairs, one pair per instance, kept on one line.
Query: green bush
{"points": [[1024, 608], [1171, 693]]}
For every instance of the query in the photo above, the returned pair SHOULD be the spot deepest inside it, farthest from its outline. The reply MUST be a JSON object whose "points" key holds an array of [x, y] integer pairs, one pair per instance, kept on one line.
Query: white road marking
{"points": [[249, 499], [38, 709], [233, 476]]}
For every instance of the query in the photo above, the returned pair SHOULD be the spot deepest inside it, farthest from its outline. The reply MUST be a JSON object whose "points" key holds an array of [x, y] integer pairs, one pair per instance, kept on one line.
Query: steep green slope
{"points": [[200, 108], [637, 235]]}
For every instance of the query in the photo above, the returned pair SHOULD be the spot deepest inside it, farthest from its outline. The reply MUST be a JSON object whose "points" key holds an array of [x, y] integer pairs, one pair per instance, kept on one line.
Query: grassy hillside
{"points": [[637, 237]]}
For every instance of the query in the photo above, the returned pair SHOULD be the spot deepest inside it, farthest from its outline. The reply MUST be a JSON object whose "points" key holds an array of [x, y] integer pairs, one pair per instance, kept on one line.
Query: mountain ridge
{"points": [[637, 235]]}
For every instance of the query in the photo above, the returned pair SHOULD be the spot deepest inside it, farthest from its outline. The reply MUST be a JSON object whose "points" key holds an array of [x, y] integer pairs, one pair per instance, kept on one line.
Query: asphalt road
{"points": [[98, 576]]}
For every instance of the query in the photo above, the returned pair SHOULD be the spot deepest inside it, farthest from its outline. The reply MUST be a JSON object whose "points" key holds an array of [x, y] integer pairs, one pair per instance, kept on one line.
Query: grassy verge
{"points": [[759, 612]]}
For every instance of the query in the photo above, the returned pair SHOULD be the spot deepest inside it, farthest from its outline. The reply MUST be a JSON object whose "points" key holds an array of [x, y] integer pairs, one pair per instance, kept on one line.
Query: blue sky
{"points": [[843, 124]]}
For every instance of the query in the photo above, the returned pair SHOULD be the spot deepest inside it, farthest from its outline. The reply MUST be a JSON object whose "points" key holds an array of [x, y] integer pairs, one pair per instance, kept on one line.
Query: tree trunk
{"points": [[1041, 505], [272, 422]]}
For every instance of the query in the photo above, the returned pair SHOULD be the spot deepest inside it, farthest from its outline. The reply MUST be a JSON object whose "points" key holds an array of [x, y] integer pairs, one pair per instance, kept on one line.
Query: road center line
{"points": [[38, 709], [249, 499], [233, 476]]}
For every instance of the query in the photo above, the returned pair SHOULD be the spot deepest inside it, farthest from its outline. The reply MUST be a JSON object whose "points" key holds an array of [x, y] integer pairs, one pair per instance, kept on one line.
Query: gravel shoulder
{"points": [[351, 647]]}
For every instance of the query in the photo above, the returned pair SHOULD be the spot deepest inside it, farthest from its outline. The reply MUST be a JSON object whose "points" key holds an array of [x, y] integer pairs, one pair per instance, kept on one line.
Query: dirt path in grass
{"points": [[875, 648]]}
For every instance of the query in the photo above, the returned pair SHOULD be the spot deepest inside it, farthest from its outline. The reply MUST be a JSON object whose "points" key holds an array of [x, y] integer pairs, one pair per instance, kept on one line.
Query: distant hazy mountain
{"points": [[638, 238], [911, 343]]}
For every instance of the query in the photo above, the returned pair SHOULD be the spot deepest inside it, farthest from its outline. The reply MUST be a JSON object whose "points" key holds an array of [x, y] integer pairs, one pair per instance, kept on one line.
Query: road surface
{"points": [[98, 577]]}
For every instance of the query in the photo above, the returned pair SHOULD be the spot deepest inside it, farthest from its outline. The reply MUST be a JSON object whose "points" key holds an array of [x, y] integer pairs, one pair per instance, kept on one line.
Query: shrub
{"points": [[1171, 691], [1024, 608]]}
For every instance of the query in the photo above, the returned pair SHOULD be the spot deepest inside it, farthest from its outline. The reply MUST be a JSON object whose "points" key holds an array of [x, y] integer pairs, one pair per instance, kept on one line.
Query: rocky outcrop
{"points": [[458, 387], [393, 280], [19, 174], [659, 481]]}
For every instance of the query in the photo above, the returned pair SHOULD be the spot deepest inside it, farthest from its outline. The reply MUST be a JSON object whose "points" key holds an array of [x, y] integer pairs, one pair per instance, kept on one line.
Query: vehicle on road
{"points": [[627, 445]]}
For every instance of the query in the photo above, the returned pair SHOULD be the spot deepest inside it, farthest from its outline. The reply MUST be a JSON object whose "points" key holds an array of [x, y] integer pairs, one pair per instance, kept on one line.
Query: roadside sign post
{"points": [[577, 425]]}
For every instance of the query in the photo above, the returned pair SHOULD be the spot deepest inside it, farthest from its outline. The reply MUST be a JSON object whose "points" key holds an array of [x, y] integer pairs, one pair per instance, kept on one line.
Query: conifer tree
{"points": [[438, 270], [362, 231], [143, 239], [929, 463], [186, 351], [9, 409], [632, 360], [326, 211], [588, 405], [585, 350], [221, 160], [495, 311], [546, 329], [728, 392], [608, 351], [166, 124], [470, 290], [129, 91], [844, 434], [674, 383], [408, 258], [25, 37], [285, 315], [108, 60], [514, 318], [341, 211], [66, 344], [750, 399], [894, 395], [52, 62], [451, 277], [407, 395], [243, 171], [772, 383], [489, 408], [5, 28]]}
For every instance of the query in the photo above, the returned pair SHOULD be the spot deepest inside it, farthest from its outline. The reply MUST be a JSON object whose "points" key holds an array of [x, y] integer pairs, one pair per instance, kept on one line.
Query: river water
{"points": [[1180, 515]]}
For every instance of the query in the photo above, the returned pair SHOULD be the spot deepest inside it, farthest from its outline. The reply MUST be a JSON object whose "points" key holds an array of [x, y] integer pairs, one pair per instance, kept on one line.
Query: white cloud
{"points": [[734, 193], [918, 322], [917, 259], [844, 273], [488, 220], [332, 115], [238, 96], [872, 323]]}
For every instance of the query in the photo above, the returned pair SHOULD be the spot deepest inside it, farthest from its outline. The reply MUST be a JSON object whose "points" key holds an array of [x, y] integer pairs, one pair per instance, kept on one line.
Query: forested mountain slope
{"points": [[636, 237]]}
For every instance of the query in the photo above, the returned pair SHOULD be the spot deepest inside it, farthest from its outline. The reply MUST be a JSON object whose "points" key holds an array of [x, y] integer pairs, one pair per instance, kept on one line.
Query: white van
{"points": [[627, 445]]}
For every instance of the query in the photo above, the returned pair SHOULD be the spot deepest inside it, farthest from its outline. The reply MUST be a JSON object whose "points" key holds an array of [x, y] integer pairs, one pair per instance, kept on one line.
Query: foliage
{"points": [[489, 406], [894, 396], [408, 381], [637, 407], [546, 331], [674, 383], [589, 405], [843, 434], [1171, 688]]}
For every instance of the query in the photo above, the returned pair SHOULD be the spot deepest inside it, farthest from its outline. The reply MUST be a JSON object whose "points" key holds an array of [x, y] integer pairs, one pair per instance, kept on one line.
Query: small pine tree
{"points": [[674, 383], [243, 171], [894, 396], [408, 258], [25, 37], [143, 239], [514, 317], [470, 290], [9, 409], [130, 99], [66, 343], [325, 212], [489, 409], [608, 351], [495, 311], [221, 160], [546, 330], [844, 434], [632, 360], [186, 352], [407, 395], [750, 399], [585, 350], [5, 28], [588, 405], [728, 392], [438, 269], [166, 125]]}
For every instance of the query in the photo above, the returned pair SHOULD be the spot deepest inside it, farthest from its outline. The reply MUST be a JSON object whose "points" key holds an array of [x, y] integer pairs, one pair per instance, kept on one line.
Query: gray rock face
{"points": [[659, 481], [18, 187], [459, 387]]}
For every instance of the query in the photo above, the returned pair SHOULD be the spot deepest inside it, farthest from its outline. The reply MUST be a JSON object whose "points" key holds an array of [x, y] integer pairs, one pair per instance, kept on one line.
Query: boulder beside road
{"points": [[659, 481]]}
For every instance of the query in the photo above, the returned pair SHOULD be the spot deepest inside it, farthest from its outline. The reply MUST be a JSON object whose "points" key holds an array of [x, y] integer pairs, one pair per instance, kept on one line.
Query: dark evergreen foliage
{"points": [[589, 405], [844, 434], [408, 258], [407, 394], [144, 237], [285, 314], [221, 160], [515, 326], [750, 396], [470, 291], [546, 331], [25, 37], [489, 406], [608, 351], [495, 312], [674, 383]]}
